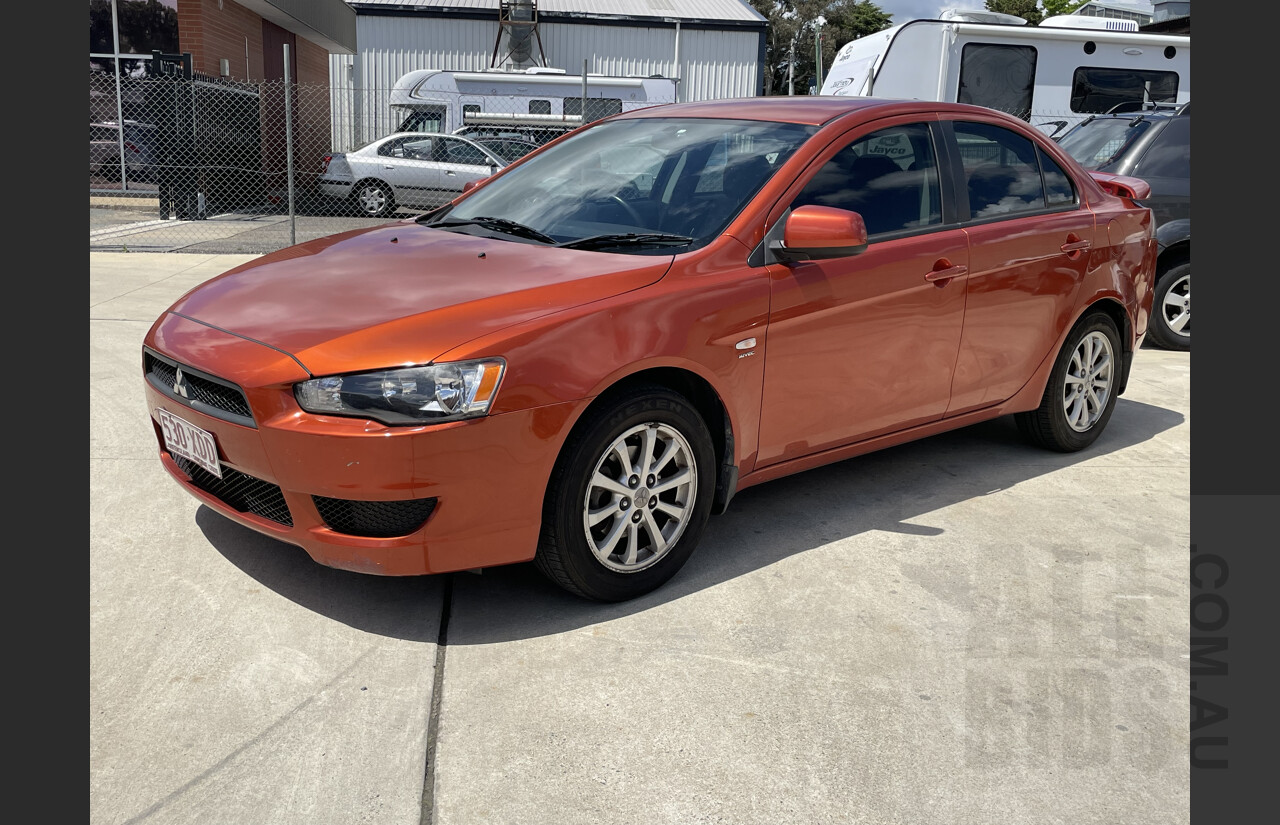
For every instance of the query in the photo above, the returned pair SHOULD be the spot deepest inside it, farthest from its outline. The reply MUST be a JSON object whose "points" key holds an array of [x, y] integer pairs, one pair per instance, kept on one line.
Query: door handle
{"points": [[941, 276], [451, 173], [1076, 245]]}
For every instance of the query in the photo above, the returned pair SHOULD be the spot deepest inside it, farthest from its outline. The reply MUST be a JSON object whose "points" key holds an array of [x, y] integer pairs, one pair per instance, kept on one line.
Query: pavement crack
{"points": [[427, 815]]}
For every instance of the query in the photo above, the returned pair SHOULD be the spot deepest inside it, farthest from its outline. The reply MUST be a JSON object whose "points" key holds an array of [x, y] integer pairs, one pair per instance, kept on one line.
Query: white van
{"points": [[1052, 75], [535, 100]]}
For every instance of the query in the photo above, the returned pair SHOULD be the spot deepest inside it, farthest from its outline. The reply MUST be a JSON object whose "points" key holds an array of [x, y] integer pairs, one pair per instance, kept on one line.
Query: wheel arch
{"points": [[1113, 309], [704, 398]]}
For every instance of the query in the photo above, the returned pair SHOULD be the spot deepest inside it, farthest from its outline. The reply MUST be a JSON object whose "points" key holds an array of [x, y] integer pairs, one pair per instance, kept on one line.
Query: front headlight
{"points": [[412, 395]]}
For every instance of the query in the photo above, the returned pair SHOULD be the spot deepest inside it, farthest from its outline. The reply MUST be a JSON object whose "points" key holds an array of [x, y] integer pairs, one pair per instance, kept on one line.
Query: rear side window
{"points": [[1169, 155], [1097, 90], [998, 77], [1002, 169]]}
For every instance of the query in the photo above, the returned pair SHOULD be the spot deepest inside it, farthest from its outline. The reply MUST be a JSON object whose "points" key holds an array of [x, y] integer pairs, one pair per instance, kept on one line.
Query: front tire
{"points": [[1081, 393], [373, 199], [1171, 310], [629, 497]]}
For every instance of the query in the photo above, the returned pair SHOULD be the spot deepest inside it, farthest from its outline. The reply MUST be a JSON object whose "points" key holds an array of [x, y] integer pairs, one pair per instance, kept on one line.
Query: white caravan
{"points": [[1052, 75], [431, 100]]}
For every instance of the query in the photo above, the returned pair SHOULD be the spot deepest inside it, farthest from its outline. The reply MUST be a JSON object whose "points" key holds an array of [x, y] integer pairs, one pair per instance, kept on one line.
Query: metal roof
{"points": [[702, 10]]}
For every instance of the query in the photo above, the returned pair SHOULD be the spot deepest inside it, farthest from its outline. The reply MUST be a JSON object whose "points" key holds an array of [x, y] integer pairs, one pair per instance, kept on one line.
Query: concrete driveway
{"points": [[962, 630]]}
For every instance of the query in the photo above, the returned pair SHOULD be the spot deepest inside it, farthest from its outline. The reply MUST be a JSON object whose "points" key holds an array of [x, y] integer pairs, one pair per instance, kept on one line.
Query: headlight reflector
{"points": [[412, 395]]}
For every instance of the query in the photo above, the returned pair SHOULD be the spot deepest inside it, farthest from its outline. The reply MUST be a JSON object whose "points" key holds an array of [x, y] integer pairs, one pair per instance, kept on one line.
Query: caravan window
{"points": [[597, 107], [539, 107], [1098, 90], [424, 120], [998, 77]]}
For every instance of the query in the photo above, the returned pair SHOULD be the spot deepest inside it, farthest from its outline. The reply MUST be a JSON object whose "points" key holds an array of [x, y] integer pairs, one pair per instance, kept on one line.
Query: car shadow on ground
{"points": [[881, 491]]}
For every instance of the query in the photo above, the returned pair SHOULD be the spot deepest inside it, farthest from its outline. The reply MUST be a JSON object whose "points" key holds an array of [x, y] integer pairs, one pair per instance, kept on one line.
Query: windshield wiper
{"points": [[496, 224], [627, 239]]}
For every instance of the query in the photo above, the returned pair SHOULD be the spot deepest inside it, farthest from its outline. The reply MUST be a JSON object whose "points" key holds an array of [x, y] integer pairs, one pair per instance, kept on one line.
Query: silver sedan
{"points": [[410, 169]]}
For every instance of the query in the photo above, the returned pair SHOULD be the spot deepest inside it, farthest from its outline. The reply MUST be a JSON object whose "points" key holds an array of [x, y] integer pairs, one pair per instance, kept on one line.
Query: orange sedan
{"points": [[581, 359]]}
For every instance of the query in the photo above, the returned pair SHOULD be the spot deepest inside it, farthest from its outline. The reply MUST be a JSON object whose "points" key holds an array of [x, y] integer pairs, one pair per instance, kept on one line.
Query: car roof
{"points": [[808, 110]]}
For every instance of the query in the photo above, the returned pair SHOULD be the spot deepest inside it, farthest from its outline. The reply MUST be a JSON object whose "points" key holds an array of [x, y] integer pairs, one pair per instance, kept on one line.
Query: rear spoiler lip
{"points": [[1126, 186]]}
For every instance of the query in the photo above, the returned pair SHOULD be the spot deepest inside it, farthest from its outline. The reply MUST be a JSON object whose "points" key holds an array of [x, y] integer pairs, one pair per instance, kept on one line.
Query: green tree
{"points": [[798, 23], [1055, 7], [1026, 9]]}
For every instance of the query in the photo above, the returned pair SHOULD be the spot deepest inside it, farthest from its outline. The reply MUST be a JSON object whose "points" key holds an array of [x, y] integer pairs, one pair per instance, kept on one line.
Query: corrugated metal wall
{"points": [[713, 63]]}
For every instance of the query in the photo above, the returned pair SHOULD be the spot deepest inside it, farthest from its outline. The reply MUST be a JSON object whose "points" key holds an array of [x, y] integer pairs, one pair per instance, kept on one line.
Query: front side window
{"points": [[1096, 90], [889, 177], [413, 148], [1002, 171], [998, 77]]}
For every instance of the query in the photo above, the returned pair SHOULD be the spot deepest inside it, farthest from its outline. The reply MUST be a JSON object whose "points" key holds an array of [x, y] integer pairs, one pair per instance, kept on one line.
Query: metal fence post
{"points": [[288, 144]]}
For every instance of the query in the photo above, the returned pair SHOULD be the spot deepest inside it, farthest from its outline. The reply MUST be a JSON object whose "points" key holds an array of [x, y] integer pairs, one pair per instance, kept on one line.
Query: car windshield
{"points": [[674, 183], [1096, 143]]}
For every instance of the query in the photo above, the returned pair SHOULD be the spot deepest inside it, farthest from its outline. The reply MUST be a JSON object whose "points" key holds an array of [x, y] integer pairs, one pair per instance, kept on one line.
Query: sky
{"points": [[903, 10]]}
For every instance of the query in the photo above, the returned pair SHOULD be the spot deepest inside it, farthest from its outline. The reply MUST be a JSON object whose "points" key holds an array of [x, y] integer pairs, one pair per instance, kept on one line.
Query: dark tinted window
{"points": [[1098, 90], [459, 152], [1002, 170], [1169, 155], [998, 77], [597, 107], [539, 107], [890, 177]]}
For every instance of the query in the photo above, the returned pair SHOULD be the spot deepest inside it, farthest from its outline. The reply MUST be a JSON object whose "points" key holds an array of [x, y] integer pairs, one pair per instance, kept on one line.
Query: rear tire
{"points": [[373, 199], [1170, 326], [1081, 392], [629, 497]]}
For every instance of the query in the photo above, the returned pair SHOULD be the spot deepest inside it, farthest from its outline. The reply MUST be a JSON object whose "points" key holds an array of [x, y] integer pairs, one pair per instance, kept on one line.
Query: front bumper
{"points": [[356, 494]]}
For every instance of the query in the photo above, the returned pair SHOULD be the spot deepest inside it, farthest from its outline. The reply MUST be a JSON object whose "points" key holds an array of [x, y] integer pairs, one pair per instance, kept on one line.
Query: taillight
{"points": [[131, 147], [324, 164]]}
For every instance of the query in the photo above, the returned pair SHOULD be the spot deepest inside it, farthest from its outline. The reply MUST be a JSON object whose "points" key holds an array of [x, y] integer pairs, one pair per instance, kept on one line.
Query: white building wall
{"points": [[713, 63]]}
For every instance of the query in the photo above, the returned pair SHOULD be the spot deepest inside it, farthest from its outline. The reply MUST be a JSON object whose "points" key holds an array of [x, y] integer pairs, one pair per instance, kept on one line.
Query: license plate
{"points": [[189, 441]]}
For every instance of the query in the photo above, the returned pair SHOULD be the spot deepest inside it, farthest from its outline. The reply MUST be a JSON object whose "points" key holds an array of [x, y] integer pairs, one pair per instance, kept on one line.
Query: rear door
{"points": [[1030, 244]]}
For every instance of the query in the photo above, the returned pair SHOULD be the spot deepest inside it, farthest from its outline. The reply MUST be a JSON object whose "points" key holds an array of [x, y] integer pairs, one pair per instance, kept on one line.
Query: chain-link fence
{"points": [[208, 164]]}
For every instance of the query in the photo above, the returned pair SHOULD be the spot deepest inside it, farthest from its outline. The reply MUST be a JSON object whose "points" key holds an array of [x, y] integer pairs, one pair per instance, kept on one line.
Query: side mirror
{"points": [[815, 233], [469, 185]]}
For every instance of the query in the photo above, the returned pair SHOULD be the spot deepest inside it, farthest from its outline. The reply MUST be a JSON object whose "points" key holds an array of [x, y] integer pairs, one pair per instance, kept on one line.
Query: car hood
{"points": [[403, 293]]}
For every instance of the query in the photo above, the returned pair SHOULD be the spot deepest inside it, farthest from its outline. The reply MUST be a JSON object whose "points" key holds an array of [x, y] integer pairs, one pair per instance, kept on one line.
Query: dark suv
{"points": [[1153, 144]]}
